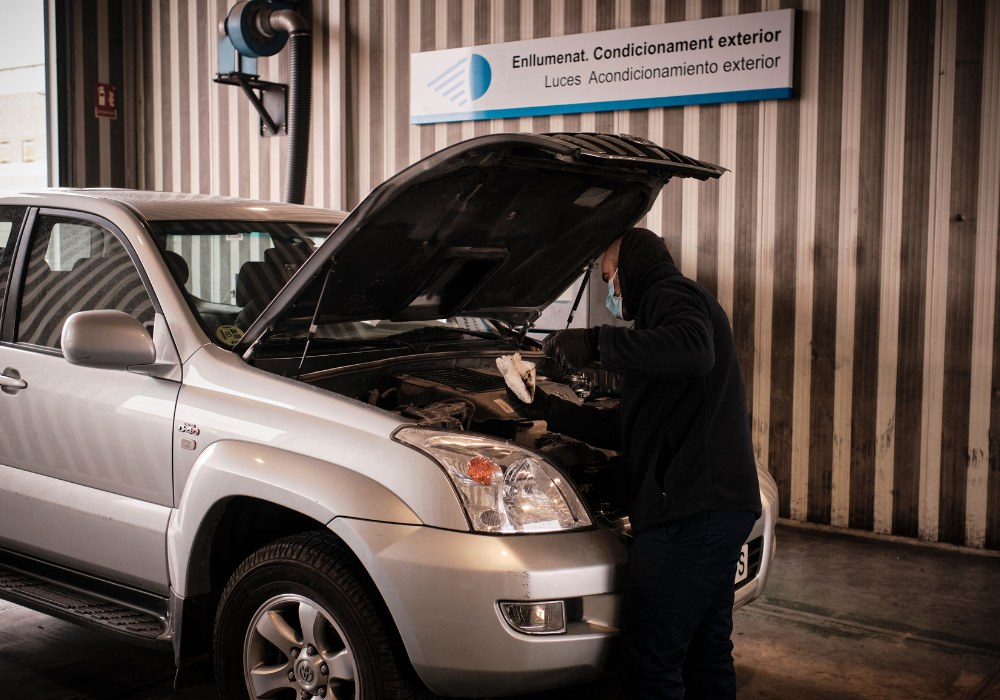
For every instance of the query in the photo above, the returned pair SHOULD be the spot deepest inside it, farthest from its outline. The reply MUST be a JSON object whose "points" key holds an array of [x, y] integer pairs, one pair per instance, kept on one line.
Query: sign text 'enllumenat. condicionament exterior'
{"points": [[706, 61]]}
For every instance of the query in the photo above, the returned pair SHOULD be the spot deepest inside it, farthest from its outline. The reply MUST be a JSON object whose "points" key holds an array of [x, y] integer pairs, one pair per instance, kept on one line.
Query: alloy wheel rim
{"points": [[295, 644]]}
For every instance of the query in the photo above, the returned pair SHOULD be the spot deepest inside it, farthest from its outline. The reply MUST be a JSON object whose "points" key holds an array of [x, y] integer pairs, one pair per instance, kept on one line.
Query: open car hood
{"points": [[496, 226]]}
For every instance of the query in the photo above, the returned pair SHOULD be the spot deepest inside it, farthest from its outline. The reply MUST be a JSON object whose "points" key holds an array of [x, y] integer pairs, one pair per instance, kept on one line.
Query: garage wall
{"points": [[177, 130], [853, 243]]}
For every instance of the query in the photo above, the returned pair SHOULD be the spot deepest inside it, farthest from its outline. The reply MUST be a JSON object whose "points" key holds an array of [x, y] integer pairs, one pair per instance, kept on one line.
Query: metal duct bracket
{"points": [[255, 28], [271, 104]]}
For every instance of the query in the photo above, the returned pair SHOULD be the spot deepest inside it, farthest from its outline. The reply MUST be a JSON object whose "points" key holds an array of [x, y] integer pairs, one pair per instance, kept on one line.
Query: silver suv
{"points": [[274, 438]]}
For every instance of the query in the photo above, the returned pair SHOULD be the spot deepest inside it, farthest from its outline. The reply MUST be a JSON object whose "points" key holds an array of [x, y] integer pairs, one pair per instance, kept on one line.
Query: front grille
{"points": [[755, 548], [464, 380]]}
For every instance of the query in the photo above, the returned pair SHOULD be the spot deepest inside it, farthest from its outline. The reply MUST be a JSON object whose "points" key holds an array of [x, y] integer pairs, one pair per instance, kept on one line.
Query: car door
{"points": [[11, 219], [85, 453]]}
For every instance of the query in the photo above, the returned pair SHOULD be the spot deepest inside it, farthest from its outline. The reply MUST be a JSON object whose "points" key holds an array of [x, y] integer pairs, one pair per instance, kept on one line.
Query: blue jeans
{"points": [[677, 615]]}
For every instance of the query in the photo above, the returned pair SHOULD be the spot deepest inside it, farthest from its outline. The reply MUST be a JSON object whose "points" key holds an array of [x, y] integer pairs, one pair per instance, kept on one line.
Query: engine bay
{"points": [[466, 392]]}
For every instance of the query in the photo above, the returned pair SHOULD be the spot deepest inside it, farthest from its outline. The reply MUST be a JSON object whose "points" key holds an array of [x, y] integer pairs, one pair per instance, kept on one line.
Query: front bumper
{"points": [[764, 527], [442, 588]]}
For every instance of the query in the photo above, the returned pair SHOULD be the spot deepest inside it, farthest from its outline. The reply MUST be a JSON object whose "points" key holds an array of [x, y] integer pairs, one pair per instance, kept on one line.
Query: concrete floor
{"points": [[843, 618]]}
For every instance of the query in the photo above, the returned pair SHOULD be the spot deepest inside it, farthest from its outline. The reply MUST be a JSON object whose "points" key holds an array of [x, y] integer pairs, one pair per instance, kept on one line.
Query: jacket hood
{"points": [[640, 249], [496, 226]]}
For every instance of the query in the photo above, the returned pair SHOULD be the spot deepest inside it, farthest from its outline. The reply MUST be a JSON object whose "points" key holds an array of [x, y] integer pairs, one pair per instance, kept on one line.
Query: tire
{"points": [[308, 581]]}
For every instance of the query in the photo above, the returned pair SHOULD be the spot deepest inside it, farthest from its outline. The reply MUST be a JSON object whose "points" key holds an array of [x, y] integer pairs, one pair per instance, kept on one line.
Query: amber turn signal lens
{"points": [[481, 470]]}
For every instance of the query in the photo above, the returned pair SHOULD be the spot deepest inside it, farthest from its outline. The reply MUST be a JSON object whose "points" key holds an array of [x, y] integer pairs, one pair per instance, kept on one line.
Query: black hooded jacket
{"points": [[682, 421]]}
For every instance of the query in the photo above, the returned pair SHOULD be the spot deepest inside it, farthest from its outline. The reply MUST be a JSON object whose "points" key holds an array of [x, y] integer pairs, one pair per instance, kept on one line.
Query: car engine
{"points": [[471, 394]]}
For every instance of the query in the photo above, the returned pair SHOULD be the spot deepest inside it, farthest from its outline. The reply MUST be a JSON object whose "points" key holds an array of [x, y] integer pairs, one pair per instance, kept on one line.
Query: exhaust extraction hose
{"points": [[299, 101], [299, 115]]}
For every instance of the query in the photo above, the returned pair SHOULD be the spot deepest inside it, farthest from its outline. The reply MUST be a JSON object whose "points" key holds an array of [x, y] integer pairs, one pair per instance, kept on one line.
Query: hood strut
{"points": [[579, 294], [312, 326], [528, 325]]}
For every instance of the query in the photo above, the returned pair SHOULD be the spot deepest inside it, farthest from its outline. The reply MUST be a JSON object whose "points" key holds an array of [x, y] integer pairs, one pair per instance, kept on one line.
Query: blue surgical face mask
{"points": [[613, 303]]}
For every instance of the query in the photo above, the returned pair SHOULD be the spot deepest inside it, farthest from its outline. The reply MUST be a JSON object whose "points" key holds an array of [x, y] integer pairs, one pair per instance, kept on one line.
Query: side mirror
{"points": [[106, 339]]}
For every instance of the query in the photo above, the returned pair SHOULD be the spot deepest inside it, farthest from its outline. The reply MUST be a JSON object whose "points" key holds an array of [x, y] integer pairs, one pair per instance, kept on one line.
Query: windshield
{"points": [[231, 270]]}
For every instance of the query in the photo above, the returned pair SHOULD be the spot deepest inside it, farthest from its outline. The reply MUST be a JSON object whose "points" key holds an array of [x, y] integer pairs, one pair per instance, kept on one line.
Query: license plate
{"points": [[742, 569]]}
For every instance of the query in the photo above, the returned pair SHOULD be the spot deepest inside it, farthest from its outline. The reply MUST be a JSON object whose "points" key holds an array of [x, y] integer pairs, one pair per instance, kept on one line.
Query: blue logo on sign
{"points": [[469, 79]]}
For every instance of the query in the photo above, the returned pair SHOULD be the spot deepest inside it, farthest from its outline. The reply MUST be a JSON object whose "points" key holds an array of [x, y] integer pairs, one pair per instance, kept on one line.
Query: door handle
{"points": [[11, 382]]}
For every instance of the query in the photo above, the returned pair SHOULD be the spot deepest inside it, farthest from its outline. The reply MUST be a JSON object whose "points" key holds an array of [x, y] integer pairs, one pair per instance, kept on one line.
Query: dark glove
{"points": [[574, 347], [538, 409]]}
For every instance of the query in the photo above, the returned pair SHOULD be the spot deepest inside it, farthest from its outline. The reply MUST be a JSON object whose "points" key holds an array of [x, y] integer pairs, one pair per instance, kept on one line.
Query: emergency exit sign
{"points": [[105, 101]]}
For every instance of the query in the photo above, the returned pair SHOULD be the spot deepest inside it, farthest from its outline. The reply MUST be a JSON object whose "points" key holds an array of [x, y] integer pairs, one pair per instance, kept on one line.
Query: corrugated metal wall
{"points": [[854, 243], [176, 129]]}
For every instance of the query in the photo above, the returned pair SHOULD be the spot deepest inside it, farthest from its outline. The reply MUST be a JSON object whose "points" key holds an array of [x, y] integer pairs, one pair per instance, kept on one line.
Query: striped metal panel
{"points": [[828, 242], [176, 129], [853, 242]]}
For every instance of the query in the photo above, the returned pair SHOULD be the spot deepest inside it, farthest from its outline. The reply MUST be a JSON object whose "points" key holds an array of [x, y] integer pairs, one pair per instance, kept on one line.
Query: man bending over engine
{"points": [[682, 426]]}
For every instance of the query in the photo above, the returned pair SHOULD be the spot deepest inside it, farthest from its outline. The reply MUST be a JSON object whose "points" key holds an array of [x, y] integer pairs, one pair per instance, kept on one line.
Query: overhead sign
{"points": [[105, 101], [705, 61]]}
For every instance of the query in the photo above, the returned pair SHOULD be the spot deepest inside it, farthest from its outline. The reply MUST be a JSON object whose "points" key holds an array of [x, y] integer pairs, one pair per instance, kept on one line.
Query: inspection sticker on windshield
{"points": [[743, 568], [230, 335]]}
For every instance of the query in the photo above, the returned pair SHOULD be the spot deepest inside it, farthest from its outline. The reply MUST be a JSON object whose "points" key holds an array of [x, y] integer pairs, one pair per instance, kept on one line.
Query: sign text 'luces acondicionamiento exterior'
{"points": [[723, 59]]}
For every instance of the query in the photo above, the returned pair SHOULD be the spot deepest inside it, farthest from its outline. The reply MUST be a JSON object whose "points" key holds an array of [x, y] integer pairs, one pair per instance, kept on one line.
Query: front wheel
{"points": [[301, 619]]}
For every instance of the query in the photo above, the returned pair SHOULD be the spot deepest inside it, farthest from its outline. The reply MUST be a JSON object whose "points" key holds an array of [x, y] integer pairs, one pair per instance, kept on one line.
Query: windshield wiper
{"points": [[448, 330], [324, 343]]}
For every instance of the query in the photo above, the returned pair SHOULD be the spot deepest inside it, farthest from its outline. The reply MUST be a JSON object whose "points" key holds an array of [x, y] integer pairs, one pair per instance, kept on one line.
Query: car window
{"points": [[10, 224], [231, 270], [76, 266]]}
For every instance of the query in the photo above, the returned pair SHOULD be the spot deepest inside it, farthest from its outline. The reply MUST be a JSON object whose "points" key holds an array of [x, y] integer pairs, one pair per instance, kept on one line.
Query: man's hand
{"points": [[538, 409], [572, 347]]}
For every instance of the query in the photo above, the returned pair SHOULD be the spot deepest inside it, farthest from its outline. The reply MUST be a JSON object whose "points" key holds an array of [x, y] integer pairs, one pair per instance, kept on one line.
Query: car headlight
{"points": [[503, 487]]}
